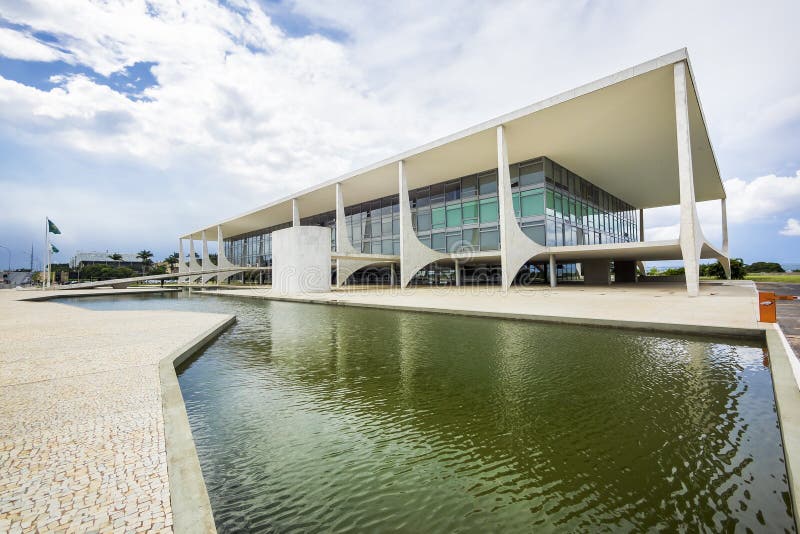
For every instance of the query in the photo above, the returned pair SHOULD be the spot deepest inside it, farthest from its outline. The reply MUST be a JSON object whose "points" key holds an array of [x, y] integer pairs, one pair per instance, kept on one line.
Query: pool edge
{"points": [[647, 326], [787, 404], [191, 507]]}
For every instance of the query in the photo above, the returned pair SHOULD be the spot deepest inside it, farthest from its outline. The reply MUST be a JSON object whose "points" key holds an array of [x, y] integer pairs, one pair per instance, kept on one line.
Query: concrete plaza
{"points": [[82, 437], [725, 307]]}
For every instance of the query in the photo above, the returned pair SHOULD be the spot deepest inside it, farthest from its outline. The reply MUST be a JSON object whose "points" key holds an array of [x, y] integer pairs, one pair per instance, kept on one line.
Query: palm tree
{"points": [[117, 257], [145, 256], [172, 260]]}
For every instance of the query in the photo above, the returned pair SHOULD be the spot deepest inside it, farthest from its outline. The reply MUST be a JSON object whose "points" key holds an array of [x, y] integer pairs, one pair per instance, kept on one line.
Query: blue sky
{"points": [[129, 123]]}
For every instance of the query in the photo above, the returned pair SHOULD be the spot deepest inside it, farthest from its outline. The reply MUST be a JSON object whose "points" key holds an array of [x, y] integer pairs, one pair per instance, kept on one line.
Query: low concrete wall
{"points": [[301, 260], [671, 278], [787, 401], [191, 508]]}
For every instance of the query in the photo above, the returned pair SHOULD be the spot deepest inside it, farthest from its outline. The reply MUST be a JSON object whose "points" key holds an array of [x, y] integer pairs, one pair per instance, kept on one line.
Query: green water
{"points": [[324, 418]]}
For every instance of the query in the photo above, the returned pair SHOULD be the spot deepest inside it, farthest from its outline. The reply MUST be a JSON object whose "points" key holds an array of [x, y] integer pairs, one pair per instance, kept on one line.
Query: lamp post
{"points": [[9, 256]]}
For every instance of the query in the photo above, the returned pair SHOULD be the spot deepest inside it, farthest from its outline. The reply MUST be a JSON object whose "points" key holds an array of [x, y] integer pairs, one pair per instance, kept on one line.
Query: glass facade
{"points": [[554, 207]]}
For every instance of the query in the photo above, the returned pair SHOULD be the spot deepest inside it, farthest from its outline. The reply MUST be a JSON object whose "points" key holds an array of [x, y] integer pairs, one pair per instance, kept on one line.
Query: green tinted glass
{"points": [[469, 211], [438, 217], [489, 212], [532, 203], [454, 216]]}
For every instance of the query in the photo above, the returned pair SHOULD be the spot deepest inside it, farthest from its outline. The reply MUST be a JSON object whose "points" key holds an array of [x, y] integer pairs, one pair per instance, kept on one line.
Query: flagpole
{"points": [[44, 257], [47, 249]]}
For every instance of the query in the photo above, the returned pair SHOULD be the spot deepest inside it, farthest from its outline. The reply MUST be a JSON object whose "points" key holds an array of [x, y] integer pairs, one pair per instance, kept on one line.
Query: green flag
{"points": [[52, 228], [53, 248]]}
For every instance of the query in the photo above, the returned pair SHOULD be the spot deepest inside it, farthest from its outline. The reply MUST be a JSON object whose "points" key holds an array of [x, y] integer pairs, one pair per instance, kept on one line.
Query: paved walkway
{"points": [[722, 305], [788, 311], [81, 425]]}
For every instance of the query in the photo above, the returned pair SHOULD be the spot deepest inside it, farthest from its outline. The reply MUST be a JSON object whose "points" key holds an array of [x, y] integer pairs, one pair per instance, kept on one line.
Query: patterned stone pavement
{"points": [[81, 426]]}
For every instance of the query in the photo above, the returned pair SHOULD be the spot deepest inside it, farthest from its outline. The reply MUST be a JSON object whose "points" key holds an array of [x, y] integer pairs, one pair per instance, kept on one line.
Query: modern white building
{"points": [[104, 258], [553, 191]]}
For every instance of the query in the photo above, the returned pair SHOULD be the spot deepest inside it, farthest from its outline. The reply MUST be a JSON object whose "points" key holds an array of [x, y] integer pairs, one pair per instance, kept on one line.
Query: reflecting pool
{"points": [[313, 417]]}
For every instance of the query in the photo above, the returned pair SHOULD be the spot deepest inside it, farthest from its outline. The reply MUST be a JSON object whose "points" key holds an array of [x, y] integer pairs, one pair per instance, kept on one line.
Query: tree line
{"points": [[714, 270]]}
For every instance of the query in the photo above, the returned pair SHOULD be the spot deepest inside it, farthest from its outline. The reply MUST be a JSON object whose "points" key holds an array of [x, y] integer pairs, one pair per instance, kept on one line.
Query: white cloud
{"points": [[761, 199], [792, 228], [18, 45], [244, 113]]}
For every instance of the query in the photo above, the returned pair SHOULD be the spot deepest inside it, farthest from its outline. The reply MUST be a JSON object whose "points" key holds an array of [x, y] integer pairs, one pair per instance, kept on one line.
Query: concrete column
{"points": [[182, 266], [194, 267], [207, 265], [301, 261], [724, 209], [392, 276], [597, 272], [641, 225], [691, 236], [222, 260], [458, 273], [345, 267], [515, 247], [553, 273], [726, 260], [413, 254], [295, 213]]}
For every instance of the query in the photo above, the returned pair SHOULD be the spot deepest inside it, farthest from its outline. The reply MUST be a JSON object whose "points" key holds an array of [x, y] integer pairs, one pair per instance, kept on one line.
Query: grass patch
{"points": [[791, 278]]}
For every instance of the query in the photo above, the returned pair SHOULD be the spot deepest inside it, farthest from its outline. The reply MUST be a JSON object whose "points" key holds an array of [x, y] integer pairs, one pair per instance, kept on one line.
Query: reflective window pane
{"points": [[531, 174], [490, 240], [488, 184], [488, 210], [438, 241], [454, 216], [532, 203], [469, 212], [469, 186], [438, 218]]}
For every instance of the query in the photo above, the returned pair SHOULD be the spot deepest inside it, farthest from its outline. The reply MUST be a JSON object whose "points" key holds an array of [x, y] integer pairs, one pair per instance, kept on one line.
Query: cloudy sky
{"points": [[131, 122]]}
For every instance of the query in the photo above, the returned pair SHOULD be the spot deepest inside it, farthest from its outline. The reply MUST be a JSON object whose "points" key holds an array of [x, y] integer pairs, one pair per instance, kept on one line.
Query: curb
{"points": [[191, 508], [675, 328], [787, 404]]}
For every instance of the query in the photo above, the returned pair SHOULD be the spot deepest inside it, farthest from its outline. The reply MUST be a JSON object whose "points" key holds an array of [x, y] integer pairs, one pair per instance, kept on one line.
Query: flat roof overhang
{"points": [[618, 132]]}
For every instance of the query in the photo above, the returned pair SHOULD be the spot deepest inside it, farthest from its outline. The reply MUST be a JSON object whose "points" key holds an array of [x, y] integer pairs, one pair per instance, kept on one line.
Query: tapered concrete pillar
{"points": [[194, 267], [691, 236], [207, 265], [458, 273], [516, 248], [345, 267], [553, 274], [225, 266], [413, 254], [295, 213], [183, 267], [726, 262]]}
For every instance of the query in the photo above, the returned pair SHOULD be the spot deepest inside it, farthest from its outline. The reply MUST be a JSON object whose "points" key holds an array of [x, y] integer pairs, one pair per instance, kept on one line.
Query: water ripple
{"points": [[317, 418]]}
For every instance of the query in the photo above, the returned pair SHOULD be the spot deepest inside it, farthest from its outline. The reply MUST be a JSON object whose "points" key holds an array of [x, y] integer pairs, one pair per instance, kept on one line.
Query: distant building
{"points": [[82, 259]]}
